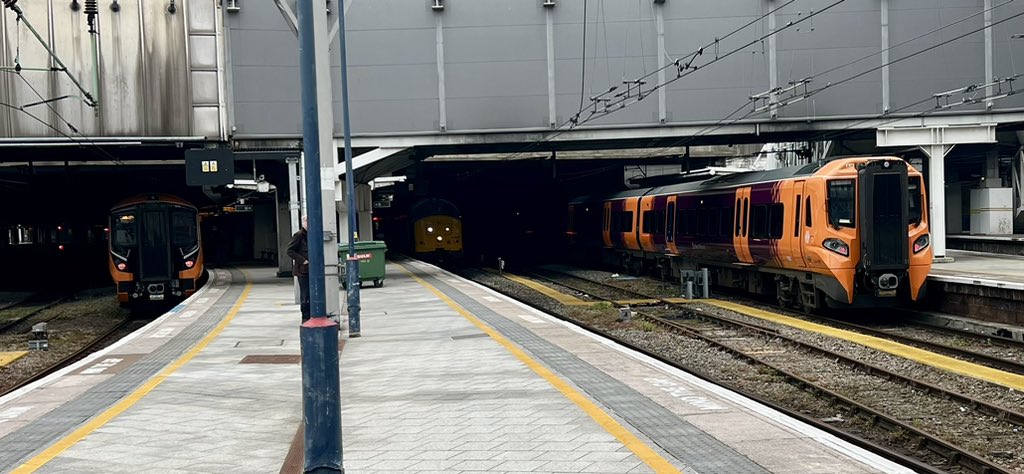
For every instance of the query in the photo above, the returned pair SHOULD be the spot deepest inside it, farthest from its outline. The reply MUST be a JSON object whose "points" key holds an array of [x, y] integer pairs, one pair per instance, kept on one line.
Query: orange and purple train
{"points": [[848, 232], [155, 253]]}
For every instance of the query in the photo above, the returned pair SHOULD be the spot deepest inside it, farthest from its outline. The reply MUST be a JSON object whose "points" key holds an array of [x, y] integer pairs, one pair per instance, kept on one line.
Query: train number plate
{"points": [[156, 297]]}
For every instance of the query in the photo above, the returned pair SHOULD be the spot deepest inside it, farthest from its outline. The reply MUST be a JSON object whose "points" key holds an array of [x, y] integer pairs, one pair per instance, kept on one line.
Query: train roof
{"points": [[724, 182], [433, 207]]}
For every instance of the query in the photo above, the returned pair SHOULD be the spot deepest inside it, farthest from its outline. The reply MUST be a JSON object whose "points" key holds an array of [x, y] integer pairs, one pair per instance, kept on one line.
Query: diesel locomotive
{"points": [[847, 232], [436, 230], [154, 252]]}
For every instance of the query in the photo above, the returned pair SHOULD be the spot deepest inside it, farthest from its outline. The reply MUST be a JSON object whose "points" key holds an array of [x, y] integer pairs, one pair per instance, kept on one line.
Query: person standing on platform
{"points": [[298, 250]]}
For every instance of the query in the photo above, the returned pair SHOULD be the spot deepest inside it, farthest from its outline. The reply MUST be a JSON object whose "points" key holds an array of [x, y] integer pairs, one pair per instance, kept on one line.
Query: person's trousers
{"points": [[304, 296]]}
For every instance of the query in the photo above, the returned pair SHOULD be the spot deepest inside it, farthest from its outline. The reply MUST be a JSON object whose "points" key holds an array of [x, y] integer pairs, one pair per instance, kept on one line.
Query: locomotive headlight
{"points": [[430, 229], [440, 239], [921, 243], [837, 246], [447, 229]]}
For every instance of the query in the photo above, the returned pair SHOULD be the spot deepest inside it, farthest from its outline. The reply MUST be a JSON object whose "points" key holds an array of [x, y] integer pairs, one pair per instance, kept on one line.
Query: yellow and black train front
{"points": [[437, 228], [155, 253]]}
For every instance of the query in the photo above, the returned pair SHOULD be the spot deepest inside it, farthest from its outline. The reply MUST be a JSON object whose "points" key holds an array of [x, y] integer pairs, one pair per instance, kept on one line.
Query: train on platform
{"points": [[436, 230], [155, 255], [846, 232]]}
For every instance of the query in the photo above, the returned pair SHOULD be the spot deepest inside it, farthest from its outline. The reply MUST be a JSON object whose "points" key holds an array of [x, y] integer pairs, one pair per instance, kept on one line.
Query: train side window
{"points": [[914, 195], [691, 222], [807, 212], [714, 218], [626, 221], [737, 217], [724, 223], [746, 225], [648, 220], [796, 222], [775, 220], [759, 221], [658, 225], [670, 222], [702, 221], [681, 221], [840, 203], [183, 226], [124, 230], [606, 220]]}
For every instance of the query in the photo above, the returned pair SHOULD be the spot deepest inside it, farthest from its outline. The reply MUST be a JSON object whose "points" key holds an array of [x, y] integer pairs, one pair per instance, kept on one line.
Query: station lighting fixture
{"points": [[438, 5], [232, 6], [549, 3]]}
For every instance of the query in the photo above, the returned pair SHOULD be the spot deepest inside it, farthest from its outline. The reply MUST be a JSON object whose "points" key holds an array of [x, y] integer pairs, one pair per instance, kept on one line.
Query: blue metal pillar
{"points": [[318, 337], [351, 263]]}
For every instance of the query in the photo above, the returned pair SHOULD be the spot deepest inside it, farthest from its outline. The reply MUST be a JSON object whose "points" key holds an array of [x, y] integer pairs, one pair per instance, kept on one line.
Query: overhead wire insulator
{"points": [[92, 9]]}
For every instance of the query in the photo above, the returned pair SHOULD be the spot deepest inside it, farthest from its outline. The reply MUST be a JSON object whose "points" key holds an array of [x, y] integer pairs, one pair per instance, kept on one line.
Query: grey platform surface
{"points": [[426, 390], [984, 269]]}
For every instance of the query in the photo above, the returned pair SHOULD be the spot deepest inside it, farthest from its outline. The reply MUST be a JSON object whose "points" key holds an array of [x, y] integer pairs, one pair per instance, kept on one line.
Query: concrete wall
{"points": [[158, 71], [495, 60]]}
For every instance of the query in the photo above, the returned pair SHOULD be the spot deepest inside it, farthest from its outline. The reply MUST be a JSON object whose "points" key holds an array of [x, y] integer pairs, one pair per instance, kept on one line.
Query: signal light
{"points": [[60, 247]]}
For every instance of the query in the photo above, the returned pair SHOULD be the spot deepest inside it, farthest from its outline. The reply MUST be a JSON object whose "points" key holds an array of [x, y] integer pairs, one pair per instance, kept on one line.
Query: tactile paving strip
{"points": [[687, 443], [20, 445]]}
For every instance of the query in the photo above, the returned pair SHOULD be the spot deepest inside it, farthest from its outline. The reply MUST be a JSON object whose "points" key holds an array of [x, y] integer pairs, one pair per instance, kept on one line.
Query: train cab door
{"points": [[796, 231], [650, 228], [741, 224]]}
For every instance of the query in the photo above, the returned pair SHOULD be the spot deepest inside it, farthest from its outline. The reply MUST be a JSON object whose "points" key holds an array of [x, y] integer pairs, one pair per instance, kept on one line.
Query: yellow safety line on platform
{"points": [[8, 357], [558, 296], [950, 364], [70, 440], [638, 447]]}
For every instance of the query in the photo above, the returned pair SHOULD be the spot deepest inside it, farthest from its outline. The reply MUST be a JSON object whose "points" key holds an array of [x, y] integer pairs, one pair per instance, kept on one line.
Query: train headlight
{"points": [[837, 246], [447, 229], [121, 266], [921, 243], [440, 239], [430, 229], [189, 263]]}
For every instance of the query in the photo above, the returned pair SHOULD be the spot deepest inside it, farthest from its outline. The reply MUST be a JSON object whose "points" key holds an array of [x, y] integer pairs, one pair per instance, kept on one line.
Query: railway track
{"points": [[1001, 363], [726, 340], [90, 347], [18, 317]]}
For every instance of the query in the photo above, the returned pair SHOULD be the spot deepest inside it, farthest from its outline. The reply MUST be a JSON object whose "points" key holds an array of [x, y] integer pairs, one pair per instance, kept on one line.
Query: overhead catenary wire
{"points": [[685, 69], [790, 101]]}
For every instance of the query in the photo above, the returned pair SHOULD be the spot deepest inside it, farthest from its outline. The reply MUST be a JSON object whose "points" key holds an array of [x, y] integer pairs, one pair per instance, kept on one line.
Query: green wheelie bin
{"points": [[370, 254]]}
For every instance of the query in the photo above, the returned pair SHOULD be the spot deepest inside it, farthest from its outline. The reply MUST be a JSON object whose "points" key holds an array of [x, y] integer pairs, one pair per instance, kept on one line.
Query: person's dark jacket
{"points": [[298, 250]]}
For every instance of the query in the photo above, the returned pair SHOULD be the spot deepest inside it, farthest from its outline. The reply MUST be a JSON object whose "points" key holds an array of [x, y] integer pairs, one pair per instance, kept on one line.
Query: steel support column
{"points": [[328, 157], [988, 51], [885, 56], [550, 33], [773, 59], [659, 23], [442, 112]]}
